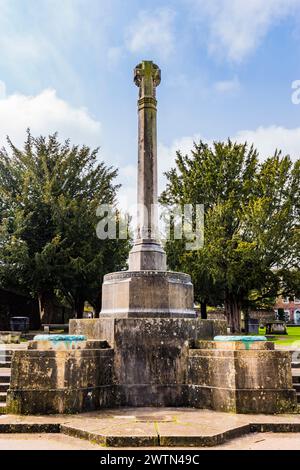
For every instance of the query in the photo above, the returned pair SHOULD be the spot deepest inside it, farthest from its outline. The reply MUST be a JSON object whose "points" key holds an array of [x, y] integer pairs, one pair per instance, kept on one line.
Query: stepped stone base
{"points": [[150, 355], [162, 362]]}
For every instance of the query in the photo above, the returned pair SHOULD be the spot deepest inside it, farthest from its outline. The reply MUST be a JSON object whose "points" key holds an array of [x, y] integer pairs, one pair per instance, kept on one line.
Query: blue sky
{"points": [[227, 70]]}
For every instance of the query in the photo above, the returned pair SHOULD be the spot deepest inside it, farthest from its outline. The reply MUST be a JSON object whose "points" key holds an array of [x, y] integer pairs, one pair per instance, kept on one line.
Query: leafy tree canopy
{"points": [[251, 236], [49, 193]]}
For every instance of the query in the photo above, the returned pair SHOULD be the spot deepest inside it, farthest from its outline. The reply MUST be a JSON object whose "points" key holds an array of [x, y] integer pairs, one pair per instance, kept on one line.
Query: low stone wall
{"points": [[45, 381], [241, 378]]}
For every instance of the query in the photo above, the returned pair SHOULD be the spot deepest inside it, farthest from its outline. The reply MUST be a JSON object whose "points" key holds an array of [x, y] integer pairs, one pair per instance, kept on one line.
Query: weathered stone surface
{"points": [[64, 381], [150, 355], [148, 319], [242, 381], [147, 294], [233, 345], [147, 253], [147, 289], [152, 364], [153, 426], [191, 329]]}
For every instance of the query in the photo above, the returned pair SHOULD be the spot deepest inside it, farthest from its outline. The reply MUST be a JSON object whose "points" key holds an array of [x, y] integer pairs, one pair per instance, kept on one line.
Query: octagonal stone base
{"points": [[138, 294]]}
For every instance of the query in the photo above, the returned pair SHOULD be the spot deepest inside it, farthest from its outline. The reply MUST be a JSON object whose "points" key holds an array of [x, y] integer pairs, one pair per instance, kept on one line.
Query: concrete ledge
{"points": [[34, 428], [146, 427], [151, 440]]}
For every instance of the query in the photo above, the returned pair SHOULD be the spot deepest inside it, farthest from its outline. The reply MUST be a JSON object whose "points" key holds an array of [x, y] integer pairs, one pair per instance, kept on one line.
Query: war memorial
{"points": [[148, 349]]}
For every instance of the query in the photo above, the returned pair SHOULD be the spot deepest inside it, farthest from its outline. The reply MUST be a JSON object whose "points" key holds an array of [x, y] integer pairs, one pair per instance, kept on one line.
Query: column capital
{"points": [[147, 78]]}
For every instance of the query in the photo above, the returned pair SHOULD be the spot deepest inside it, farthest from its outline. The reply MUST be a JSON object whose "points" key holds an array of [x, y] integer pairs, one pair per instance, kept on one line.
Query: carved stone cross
{"points": [[147, 253]]}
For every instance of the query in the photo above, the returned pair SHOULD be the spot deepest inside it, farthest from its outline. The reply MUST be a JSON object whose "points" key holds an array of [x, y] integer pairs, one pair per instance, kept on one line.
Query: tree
{"points": [[50, 192], [249, 221]]}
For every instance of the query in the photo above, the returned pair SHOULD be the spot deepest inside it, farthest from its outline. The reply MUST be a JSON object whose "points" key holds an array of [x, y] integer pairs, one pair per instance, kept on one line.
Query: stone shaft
{"points": [[147, 254]]}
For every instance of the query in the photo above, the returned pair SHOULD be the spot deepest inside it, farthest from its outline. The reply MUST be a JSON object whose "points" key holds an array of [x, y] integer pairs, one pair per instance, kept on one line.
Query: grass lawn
{"points": [[285, 340]]}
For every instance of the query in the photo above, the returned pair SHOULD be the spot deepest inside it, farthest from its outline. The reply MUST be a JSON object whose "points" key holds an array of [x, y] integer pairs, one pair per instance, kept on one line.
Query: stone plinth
{"points": [[150, 362], [240, 378], [150, 355], [46, 380], [147, 255], [160, 294]]}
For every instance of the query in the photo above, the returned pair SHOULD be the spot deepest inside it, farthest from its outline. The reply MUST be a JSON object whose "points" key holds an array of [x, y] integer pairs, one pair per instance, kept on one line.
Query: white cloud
{"points": [[268, 139], [227, 86], [265, 139], [2, 90], [167, 154], [45, 113], [237, 27], [152, 31]]}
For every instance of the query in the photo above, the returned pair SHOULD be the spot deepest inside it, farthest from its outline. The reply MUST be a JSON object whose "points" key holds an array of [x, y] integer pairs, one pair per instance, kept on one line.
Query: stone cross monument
{"points": [[147, 348], [147, 289], [147, 253]]}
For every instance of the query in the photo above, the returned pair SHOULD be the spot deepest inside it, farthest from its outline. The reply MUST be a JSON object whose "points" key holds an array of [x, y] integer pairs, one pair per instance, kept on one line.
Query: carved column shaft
{"points": [[147, 78], [147, 254]]}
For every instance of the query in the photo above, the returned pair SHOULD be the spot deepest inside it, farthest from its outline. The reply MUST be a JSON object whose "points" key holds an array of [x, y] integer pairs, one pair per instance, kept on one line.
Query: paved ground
{"points": [[43, 442], [255, 441], [143, 427], [263, 441]]}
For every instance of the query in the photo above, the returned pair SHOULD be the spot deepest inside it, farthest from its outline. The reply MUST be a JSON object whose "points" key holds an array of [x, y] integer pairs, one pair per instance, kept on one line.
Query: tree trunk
{"points": [[233, 313], [47, 306], [78, 306], [97, 306], [247, 318], [203, 310]]}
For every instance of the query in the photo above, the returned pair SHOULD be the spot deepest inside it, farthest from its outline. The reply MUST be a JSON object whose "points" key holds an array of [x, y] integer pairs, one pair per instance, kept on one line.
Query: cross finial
{"points": [[147, 78]]}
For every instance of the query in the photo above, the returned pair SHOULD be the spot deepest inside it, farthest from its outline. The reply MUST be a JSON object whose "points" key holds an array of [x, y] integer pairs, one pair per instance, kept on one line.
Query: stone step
{"points": [[295, 365], [6, 365], [5, 355], [4, 387], [3, 396], [2, 408], [4, 375], [5, 360]]}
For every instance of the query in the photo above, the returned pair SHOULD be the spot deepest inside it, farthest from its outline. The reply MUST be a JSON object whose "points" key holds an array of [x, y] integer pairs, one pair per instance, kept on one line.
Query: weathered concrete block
{"points": [[191, 329], [150, 355], [240, 380], [62, 381]]}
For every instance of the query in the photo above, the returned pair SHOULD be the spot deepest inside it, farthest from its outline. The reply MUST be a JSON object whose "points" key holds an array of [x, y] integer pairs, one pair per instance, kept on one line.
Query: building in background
{"points": [[291, 307]]}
